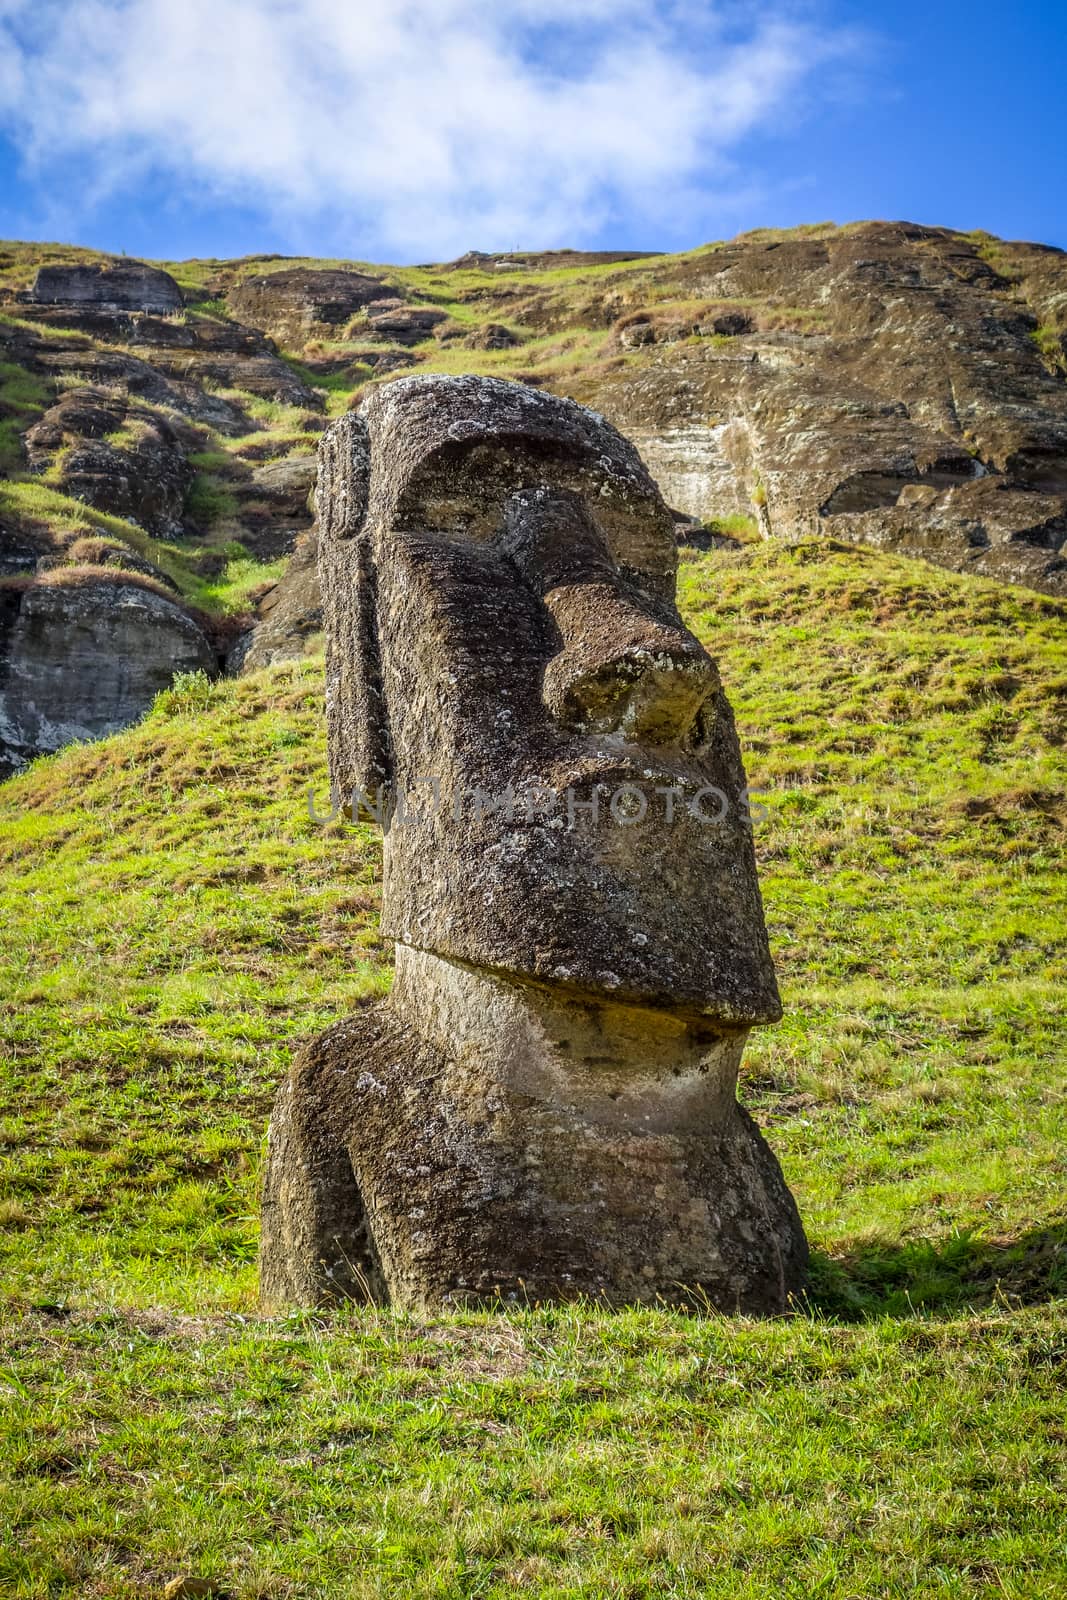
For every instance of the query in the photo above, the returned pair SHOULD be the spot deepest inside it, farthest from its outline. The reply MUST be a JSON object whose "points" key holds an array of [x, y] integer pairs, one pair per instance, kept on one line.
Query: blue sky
{"points": [[415, 129]]}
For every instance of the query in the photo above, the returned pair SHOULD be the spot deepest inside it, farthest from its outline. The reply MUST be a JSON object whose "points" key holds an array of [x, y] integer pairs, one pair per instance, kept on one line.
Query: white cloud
{"points": [[426, 125]]}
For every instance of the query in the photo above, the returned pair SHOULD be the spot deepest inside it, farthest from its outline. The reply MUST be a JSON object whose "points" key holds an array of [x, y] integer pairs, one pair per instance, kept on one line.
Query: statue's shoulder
{"points": [[362, 1067]]}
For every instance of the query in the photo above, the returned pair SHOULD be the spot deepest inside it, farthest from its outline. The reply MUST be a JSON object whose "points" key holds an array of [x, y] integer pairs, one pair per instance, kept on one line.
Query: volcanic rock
{"points": [[288, 617], [544, 1108], [296, 302], [116, 285], [880, 361], [401, 324], [494, 336], [140, 473], [83, 654]]}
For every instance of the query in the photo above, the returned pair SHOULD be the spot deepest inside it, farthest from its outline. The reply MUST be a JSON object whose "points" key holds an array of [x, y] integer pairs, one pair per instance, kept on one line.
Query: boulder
{"points": [[83, 653], [296, 302], [286, 485], [402, 324], [140, 472], [725, 324], [116, 285], [493, 336]]}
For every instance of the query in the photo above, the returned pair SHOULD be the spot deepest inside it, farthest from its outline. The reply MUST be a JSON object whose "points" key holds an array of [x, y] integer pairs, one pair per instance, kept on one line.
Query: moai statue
{"points": [[544, 1107]]}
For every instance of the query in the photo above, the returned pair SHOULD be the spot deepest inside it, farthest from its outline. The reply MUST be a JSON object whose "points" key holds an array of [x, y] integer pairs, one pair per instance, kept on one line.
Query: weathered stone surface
{"points": [[21, 548], [539, 260], [294, 302], [287, 484], [886, 369], [545, 1106], [83, 655], [288, 618], [144, 475], [494, 336], [401, 324], [118, 285], [170, 361], [668, 327]]}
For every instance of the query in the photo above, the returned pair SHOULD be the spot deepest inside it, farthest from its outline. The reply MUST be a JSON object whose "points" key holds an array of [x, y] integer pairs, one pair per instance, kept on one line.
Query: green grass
{"points": [[32, 498], [563, 314], [209, 502], [171, 921], [735, 525], [239, 583], [1050, 342], [23, 397], [553, 1454]]}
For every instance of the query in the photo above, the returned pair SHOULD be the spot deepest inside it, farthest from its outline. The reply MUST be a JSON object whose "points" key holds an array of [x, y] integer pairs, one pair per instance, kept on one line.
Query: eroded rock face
{"points": [[115, 285], [169, 362], [84, 656], [545, 1106], [494, 336], [294, 301], [402, 324], [119, 457], [288, 618], [889, 388]]}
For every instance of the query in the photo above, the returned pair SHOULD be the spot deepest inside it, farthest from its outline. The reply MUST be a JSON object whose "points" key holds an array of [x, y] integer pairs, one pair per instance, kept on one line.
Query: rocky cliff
{"points": [[880, 384], [890, 385]]}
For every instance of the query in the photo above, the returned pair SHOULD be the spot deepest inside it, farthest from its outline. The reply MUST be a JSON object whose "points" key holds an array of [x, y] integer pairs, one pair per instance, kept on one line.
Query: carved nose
{"points": [[622, 668]]}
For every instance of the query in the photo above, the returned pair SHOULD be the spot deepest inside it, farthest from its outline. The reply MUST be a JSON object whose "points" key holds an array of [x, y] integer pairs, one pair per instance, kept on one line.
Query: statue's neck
{"points": [[545, 1043]]}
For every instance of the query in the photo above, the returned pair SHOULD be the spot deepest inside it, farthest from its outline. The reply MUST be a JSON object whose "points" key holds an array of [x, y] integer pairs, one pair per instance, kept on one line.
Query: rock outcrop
{"points": [[402, 324], [288, 617], [545, 1107], [295, 303], [83, 653], [171, 360], [116, 455], [892, 387], [494, 336], [116, 285], [886, 384], [540, 260]]}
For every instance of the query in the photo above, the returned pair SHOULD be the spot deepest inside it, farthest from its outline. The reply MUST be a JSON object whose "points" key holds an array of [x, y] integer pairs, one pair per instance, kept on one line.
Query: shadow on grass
{"points": [[959, 1273]]}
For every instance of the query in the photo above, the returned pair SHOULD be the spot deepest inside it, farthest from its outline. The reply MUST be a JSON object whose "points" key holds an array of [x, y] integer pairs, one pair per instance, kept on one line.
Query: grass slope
{"points": [[171, 919]]}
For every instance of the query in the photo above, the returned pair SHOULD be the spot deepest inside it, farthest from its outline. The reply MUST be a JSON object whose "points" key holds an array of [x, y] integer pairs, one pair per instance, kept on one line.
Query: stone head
{"points": [[510, 684]]}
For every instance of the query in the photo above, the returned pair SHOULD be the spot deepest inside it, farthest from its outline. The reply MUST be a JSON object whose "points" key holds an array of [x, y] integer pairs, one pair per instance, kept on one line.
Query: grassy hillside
{"points": [[656, 341], [171, 919]]}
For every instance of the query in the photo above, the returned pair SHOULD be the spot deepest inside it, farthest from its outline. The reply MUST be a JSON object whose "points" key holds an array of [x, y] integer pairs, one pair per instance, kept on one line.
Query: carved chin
{"points": [[662, 915]]}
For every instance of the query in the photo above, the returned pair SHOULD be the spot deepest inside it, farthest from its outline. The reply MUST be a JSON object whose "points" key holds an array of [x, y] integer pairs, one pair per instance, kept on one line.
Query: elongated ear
{"points": [[357, 728], [343, 487]]}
